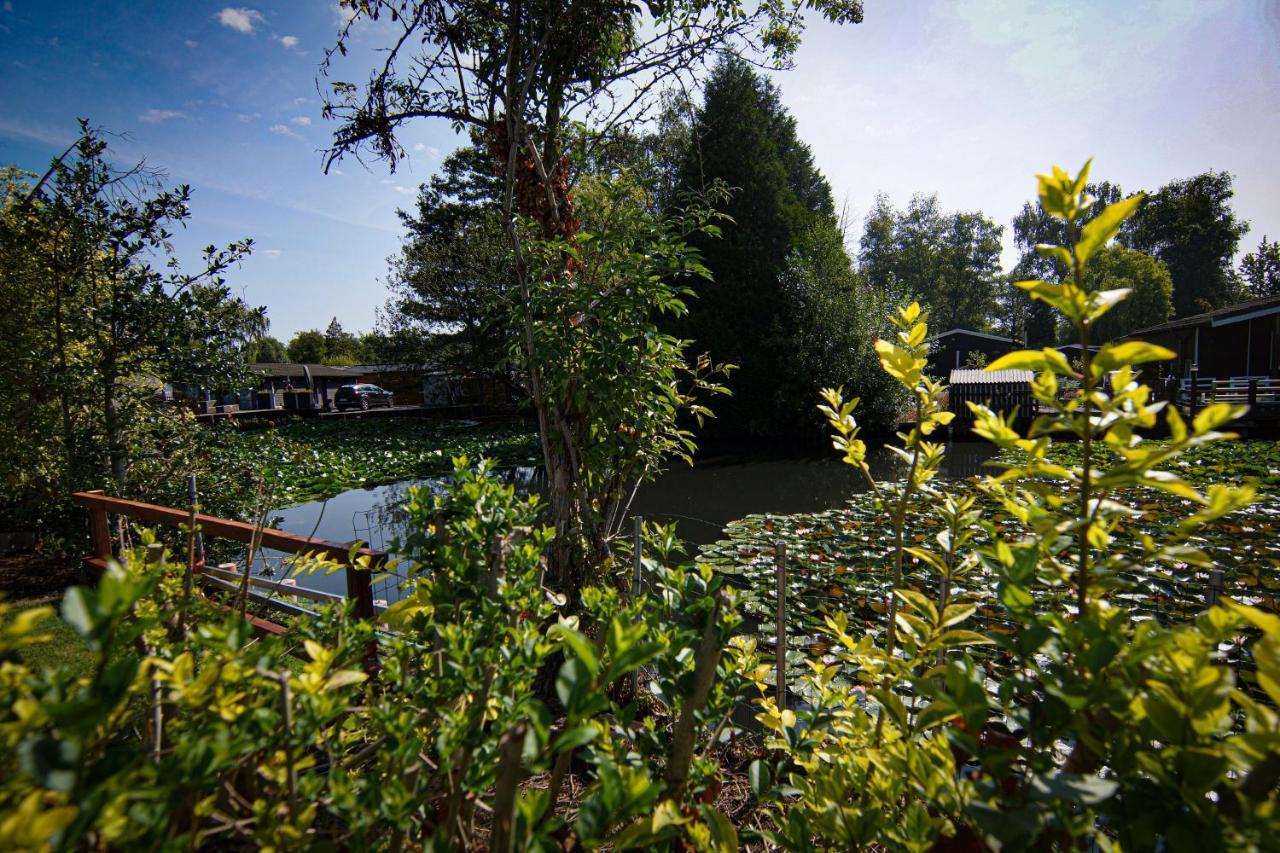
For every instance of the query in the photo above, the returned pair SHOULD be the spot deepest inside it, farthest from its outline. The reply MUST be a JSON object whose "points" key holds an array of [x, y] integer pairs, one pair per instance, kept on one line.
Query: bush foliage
{"points": [[1100, 728]]}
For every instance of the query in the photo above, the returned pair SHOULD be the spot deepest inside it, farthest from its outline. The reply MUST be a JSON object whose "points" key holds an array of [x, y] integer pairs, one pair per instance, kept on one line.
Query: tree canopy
{"points": [[1190, 227], [949, 262], [777, 263]]}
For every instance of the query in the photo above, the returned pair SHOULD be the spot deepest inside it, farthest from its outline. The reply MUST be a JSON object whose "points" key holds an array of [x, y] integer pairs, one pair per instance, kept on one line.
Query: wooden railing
{"points": [[1261, 394], [359, 585]]}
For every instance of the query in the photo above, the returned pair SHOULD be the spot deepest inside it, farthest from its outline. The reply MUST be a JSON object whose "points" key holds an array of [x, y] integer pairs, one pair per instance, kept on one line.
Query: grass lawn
{"points": [[36, 580]]}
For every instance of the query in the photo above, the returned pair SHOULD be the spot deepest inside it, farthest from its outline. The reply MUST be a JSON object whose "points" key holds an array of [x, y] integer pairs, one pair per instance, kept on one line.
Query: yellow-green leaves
{"points": [[1105, 225], [1062, 196], [1114, 356], [1029, 359], [839, 414], [900, 363]]}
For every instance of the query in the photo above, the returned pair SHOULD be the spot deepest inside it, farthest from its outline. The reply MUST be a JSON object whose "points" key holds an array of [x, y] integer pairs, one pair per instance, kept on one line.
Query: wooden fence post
{"points": [[1213, 593], [781, 648], [99, 531], [360, 590]]}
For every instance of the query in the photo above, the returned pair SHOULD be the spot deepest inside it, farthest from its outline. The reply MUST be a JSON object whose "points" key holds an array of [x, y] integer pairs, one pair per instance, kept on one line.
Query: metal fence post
{"points": [[637, 523], [781, 648]]}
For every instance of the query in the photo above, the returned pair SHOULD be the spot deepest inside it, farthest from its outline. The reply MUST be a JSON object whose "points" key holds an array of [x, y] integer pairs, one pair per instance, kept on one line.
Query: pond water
{"points": [[701, 500]]}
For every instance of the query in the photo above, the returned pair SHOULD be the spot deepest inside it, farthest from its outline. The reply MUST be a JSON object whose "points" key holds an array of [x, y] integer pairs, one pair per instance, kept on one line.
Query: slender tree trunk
{"points": [[114, 423]]}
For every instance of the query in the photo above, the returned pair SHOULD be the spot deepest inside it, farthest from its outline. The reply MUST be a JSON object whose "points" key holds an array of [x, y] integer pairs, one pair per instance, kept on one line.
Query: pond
{"points": [[701, 500]]}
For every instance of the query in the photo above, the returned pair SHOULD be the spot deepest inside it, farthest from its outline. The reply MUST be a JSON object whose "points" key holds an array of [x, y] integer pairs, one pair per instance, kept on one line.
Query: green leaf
{"points": [[582, 647], [1111, 356], [78, 608], [574, 738], [962, 637], [724, 838], [1215, 415], [1105, 225], [1025, 359], [760, 778], [1072, 788]]}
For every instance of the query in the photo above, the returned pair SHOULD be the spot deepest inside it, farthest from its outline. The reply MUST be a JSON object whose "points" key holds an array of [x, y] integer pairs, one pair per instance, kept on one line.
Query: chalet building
{"points": [[1239, 341], [297, 386], [950, 350]]}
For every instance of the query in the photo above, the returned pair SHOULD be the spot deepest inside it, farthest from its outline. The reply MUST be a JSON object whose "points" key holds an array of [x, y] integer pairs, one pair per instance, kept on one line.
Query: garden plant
{"points": [[1088, 724]]}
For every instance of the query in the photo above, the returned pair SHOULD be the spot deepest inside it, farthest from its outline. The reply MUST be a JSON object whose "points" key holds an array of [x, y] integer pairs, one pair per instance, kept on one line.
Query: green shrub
{"points": [[1105, 729], [1097, 728]]}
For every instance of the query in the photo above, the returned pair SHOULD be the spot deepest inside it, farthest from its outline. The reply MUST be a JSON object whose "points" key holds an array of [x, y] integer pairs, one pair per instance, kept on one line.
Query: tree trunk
{"points": [[114, 421]]}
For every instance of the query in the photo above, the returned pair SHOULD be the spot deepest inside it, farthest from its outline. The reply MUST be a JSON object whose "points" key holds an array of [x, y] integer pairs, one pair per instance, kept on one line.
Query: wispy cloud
{"points": [[429, 150], [344, 13], [289, 41], [20, 130], [247, 117], [300, 121], [270, 253], [283, 130], [400, 188], [241, 20], [192, 43], [154, 116]]}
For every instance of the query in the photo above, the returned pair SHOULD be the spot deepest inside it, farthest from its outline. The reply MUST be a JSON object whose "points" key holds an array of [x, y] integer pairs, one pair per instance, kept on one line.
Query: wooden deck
{"points": [[1260, 394]]}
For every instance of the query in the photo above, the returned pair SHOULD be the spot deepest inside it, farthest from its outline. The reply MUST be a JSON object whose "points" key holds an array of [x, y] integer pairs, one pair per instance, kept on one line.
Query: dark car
{"points": [[361, 397]]}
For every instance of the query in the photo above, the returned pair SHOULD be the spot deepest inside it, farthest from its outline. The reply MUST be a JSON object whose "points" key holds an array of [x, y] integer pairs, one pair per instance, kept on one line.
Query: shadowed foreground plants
{"points": [[209, 736], [1100, 728], [1087, 723]]}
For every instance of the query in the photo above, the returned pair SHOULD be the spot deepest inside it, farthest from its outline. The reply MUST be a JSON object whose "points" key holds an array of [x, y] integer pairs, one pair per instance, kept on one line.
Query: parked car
{"points": [[361, 397]]}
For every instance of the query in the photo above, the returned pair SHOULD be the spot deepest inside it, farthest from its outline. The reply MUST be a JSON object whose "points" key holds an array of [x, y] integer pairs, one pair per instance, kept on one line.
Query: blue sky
{"points": [[968, 98]]}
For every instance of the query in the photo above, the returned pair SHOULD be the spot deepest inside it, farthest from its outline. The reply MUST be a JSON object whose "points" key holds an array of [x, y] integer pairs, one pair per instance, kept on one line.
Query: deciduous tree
{"points": [[518, 73], [1190, 227]]}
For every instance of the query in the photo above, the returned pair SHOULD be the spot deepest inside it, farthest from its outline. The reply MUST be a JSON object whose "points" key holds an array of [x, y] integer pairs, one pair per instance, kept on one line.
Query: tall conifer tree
{"points": [[749, 315]]}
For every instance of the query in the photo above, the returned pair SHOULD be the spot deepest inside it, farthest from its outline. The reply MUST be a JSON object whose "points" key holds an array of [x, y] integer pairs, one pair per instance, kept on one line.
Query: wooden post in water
{"points": [[781, 649], [1195, 391], [1213, 594]]}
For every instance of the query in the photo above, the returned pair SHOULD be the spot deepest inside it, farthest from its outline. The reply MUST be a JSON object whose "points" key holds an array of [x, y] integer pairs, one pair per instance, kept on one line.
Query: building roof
{"points": [[1237, 313], [966, 376], [392, 368], [989, 337], [285, 370]]}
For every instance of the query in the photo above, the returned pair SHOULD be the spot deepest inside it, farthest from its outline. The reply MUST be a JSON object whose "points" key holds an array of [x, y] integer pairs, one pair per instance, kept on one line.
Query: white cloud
{"points": [[400, 188], [270, 253], [289, 41], [283, 130], [300, 121], [191, 43], [344, 13], [241, 20], [247, 117], [154, 116]]}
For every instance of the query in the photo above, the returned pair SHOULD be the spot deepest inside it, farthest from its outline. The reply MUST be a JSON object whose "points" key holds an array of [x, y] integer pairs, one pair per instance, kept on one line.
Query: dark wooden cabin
{"points": [[1236, 341], [950, 350]]}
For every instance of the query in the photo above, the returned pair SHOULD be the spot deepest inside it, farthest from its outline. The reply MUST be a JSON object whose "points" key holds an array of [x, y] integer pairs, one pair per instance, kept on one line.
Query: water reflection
{"points": [[701, 500]]}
